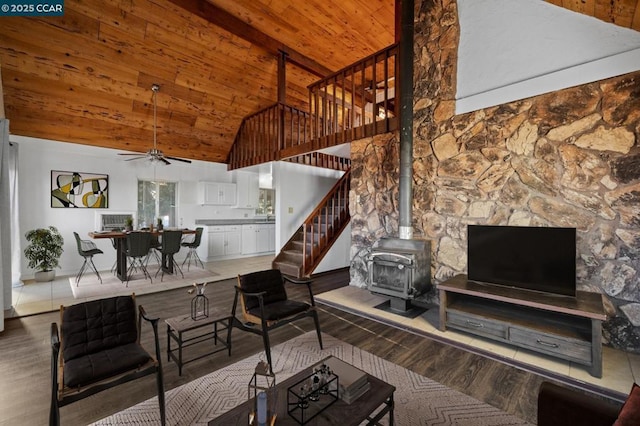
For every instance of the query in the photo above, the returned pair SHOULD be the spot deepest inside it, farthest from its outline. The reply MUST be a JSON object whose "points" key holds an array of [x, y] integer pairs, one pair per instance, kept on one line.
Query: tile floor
{"points": [[620, 369], [33, 297]]}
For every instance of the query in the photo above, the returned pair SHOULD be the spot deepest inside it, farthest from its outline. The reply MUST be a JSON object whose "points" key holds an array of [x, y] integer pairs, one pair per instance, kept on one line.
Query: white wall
{"points": [[37, 159], [514, 49], [301, 188]]}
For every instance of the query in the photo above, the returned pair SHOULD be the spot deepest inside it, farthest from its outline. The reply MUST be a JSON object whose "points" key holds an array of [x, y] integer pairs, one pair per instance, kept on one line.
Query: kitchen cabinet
{"points": [[258, 238], [232, 240], [248, 191], [217, 193], [224, 240]]}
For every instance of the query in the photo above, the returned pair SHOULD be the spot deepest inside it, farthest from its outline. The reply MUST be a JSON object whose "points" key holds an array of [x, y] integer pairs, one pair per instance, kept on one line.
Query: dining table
{"points": [[119, 239]]}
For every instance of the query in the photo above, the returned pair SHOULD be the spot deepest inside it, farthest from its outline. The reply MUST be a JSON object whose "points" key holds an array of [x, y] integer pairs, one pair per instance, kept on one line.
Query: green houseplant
{"points": [[128, 224], [44, 251]]}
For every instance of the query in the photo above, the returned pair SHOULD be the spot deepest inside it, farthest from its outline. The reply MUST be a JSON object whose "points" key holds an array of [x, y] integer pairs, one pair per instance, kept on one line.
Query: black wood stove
{"points": [[400, 269]]}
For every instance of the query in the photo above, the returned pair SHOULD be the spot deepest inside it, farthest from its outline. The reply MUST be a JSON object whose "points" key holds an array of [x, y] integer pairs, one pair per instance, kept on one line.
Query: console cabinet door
{"points": [[233, 240], [262, 239], [249, 233], [216, 241]]}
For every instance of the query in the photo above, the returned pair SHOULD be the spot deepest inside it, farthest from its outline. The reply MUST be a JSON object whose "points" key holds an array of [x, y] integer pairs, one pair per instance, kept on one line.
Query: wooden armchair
{"points": [[265, 306], [98, 347]]}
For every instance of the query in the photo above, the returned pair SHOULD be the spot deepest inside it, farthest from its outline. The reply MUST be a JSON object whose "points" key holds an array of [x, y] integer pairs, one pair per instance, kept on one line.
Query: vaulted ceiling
{"points": [[86, 77]]}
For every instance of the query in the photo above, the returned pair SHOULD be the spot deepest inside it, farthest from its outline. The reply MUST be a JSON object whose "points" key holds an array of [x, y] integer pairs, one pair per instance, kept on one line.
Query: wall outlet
{"points": [[290, 210]]}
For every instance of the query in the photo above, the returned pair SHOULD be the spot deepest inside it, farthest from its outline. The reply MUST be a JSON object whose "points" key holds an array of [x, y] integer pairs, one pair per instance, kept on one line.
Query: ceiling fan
{"points": [[154, 155]]}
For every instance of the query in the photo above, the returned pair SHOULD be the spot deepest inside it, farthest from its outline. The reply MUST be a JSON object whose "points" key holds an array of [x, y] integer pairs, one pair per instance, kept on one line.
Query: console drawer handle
{"points": [[543, 343], [475, 324]]}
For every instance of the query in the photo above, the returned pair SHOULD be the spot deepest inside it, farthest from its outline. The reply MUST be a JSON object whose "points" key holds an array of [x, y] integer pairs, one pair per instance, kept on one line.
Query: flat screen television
{"points": [[532, 258]]}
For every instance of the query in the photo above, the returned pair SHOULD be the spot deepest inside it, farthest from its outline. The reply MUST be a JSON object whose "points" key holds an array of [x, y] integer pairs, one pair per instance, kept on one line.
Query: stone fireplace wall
{"points": [[568, 159]]}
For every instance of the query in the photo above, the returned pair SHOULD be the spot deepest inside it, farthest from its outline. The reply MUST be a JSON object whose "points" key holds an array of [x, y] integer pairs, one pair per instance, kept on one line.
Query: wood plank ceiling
{"points": [[86, 77]]}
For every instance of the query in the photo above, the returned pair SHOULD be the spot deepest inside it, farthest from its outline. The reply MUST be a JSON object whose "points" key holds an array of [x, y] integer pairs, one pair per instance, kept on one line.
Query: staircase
{"points": [[312, 241]]}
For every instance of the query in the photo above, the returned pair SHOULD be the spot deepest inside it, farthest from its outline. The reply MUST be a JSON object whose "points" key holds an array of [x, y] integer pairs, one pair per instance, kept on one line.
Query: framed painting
{"points": [[79, 190]]}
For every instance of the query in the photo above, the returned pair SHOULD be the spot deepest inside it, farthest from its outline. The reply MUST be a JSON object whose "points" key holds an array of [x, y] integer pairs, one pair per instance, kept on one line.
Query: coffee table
{"points": [[371, 407], [193, 334]]}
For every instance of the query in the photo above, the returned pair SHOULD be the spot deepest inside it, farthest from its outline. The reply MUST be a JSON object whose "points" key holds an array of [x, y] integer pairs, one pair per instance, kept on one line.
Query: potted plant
{"points": [[128, 224], [160, 225], [44, 251]]}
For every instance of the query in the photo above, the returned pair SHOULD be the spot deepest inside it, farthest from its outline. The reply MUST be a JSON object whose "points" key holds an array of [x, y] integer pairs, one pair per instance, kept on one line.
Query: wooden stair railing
{"points": [[355, 102], [313, 239]]}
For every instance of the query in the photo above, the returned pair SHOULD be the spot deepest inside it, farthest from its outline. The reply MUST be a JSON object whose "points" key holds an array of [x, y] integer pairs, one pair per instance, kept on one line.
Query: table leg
{"points": [[167, 263], [391, 404], [168, 343], [229, 322], [121, 258], [179, 353]]}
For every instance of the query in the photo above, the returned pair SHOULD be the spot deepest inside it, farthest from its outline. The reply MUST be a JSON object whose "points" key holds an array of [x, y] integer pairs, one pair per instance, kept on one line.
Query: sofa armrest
{"points": [[563, 406]]}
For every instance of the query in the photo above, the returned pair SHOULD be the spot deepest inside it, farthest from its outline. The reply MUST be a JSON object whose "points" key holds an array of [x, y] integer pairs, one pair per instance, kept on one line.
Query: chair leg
{"points": [[161, 403], [187, 259], [317, 321], [176, 267], [135, 263], [94, 268], [267, 345], [54, 413], [192, 254], [197, 259], [81, 272]]}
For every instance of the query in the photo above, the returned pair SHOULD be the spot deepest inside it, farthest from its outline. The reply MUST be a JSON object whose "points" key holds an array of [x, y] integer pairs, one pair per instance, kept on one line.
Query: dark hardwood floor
{"points": [[25, 357]]}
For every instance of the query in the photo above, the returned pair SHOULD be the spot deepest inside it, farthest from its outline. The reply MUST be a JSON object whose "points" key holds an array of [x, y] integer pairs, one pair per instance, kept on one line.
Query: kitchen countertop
{"points": [[221, 222]]}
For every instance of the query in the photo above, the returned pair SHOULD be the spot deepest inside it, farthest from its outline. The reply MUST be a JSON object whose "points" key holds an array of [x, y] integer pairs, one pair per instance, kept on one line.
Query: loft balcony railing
{"points": [[355, 102]]}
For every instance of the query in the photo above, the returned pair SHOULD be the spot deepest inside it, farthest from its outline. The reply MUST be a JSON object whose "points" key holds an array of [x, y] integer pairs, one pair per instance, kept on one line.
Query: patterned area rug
{"points": [[90, 287], [418, 400]]}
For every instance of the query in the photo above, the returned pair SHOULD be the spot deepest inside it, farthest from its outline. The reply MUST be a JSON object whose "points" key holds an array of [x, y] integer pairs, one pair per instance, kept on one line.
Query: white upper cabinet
{"points": [[217, 193], [248, 191]]}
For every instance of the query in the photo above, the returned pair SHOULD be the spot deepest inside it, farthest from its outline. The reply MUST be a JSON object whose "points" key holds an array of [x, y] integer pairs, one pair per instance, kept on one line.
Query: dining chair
{"points": [[154, 248], [169, 247], [87, 249], [193, 246], [138, 245]]}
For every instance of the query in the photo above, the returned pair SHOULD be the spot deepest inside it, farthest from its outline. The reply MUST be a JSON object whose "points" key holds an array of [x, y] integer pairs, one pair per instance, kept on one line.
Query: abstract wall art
{"points": [[79, 190]]}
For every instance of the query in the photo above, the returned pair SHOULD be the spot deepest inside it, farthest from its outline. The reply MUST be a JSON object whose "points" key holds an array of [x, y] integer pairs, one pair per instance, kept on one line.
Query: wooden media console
{"points": [[565, 327]]}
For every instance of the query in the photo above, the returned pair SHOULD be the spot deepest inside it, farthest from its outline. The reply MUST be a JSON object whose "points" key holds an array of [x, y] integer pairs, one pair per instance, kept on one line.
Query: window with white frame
{"points": [[157, 199]]}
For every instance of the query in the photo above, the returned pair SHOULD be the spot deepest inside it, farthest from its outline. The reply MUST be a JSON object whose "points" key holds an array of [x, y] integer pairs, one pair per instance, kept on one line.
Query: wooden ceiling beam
{"points": [[239, 28]]}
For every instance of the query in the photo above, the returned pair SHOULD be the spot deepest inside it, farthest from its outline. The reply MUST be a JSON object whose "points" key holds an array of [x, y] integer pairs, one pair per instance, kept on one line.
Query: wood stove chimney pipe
{"points": [[406, 118]]}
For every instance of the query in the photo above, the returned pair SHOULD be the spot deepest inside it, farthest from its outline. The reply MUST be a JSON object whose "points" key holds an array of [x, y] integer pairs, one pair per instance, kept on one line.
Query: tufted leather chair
{"points": [[98, 347]]}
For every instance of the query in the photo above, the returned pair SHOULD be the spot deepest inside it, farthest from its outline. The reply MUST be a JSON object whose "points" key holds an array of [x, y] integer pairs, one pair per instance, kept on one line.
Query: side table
{"points": [[178, 327]]}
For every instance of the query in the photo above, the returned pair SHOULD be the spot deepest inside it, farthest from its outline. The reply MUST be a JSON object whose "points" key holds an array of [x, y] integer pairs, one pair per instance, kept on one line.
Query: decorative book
{"points": [[353, 381]]}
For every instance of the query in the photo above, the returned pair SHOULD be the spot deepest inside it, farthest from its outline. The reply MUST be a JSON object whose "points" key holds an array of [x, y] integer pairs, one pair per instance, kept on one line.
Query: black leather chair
{"points": [[193, 246], [265, 306], [87, 249], [98, 347], [170, 246], [138, 245]]}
